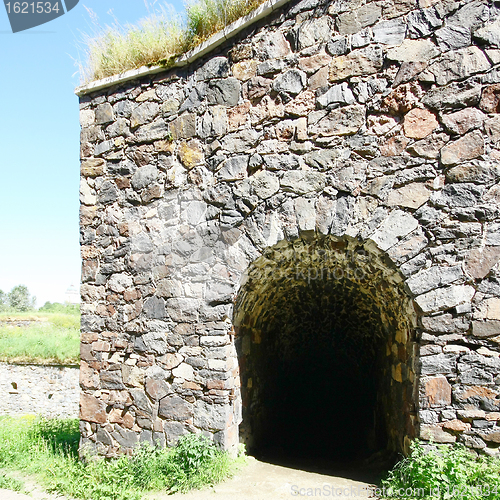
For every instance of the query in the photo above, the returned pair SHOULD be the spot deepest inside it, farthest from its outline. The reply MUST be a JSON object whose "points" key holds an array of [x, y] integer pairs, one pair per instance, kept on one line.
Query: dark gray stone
{"points": [[423, 22], [453, 37], [458, 195], [338, 46], [439, 363], [111, 379], [144, 176], [108, 193], [175, 408], [125, 438], [216, 67], [195, 97], [270, 67], [154, 308], [104, 114], [141, 401], [453, 96], [290, 82], [226, 92]]}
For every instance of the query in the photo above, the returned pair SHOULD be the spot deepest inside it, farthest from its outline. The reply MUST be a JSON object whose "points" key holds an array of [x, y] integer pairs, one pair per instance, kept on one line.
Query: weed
{"points": [[445, 473], [49, 449], [10, 483]]}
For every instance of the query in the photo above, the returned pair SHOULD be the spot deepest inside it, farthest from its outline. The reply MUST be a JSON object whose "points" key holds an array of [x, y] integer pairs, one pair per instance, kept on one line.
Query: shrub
{"points": [[444, 473], [49, 449]]}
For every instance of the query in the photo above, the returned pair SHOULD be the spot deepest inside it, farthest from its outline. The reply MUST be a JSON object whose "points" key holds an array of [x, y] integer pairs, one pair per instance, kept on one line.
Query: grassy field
{"points": [[49, 338], [48, 450]]}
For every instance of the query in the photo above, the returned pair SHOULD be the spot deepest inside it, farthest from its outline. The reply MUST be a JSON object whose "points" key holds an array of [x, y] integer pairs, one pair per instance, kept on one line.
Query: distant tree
{"points": [[4, 301], [57, 307], [20, 300]]}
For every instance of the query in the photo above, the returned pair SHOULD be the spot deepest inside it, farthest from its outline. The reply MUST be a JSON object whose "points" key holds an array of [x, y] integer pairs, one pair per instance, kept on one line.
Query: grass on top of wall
{"points": [[48, 449], [159, 38], [48, 339]]}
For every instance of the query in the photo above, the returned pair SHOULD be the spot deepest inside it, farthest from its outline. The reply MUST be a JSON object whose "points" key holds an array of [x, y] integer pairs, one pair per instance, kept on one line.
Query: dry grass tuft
{"points": [[159, 38]]}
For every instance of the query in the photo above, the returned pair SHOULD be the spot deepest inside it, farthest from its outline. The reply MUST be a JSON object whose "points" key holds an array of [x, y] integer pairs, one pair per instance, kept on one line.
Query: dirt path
{"points": [[255, 481]]}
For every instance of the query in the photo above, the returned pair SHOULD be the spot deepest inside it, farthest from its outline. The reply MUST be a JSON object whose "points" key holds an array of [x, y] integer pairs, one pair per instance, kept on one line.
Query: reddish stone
{"points": [[237, 116], [314, 63], [481, 261], [93, 167], [102, 310], [319, 79], [256, 88], [490, 99], [468, 147], [419, 123], [129, 295], [92, 410], [302, 105], [87, 215], [492, 437], [86, 352], [89, 270], [88, 337], [88, 377], [216, 384], [101, 346], [402, 99], [120, 343], [394, 146], [122, 417], [191, 385], [157, 389], [464, 120], [437, 392], [477, 392], [493, 416], [122, 182], [123, 229], [456, 426]]}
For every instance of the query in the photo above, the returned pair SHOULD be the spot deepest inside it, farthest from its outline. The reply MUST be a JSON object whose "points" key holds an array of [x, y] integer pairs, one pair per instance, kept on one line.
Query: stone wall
{"points": [[51, 391], [365, 129]]}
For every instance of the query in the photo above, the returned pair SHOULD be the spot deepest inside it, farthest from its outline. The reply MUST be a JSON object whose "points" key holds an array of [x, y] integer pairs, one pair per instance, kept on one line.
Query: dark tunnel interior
{"points": [[318, 370]]}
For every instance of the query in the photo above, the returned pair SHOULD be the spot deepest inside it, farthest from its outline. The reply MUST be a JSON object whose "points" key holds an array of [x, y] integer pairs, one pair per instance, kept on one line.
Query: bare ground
{"points": [[257, 480]]}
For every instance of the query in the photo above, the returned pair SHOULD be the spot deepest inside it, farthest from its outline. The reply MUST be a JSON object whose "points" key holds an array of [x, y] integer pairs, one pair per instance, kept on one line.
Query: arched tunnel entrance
{"points": [[326, 347]]}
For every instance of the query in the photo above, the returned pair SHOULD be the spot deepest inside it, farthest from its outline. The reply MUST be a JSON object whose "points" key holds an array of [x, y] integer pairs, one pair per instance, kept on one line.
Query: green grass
{"points": [[52, 338], [10, 483], [48, 449], [450, 472], [159, 38]]}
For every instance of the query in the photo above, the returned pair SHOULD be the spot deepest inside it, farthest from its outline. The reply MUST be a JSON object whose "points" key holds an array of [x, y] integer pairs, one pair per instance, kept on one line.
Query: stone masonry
{"points": [[51, 391], [322, 186]]}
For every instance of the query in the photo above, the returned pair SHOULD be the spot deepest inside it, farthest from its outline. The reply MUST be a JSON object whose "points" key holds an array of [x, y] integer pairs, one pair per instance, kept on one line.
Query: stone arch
{"points": [[326, 340]]}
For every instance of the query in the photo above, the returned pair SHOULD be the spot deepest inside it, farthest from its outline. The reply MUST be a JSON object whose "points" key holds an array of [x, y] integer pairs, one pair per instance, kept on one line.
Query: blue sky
{"points": [[39, 146]]}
